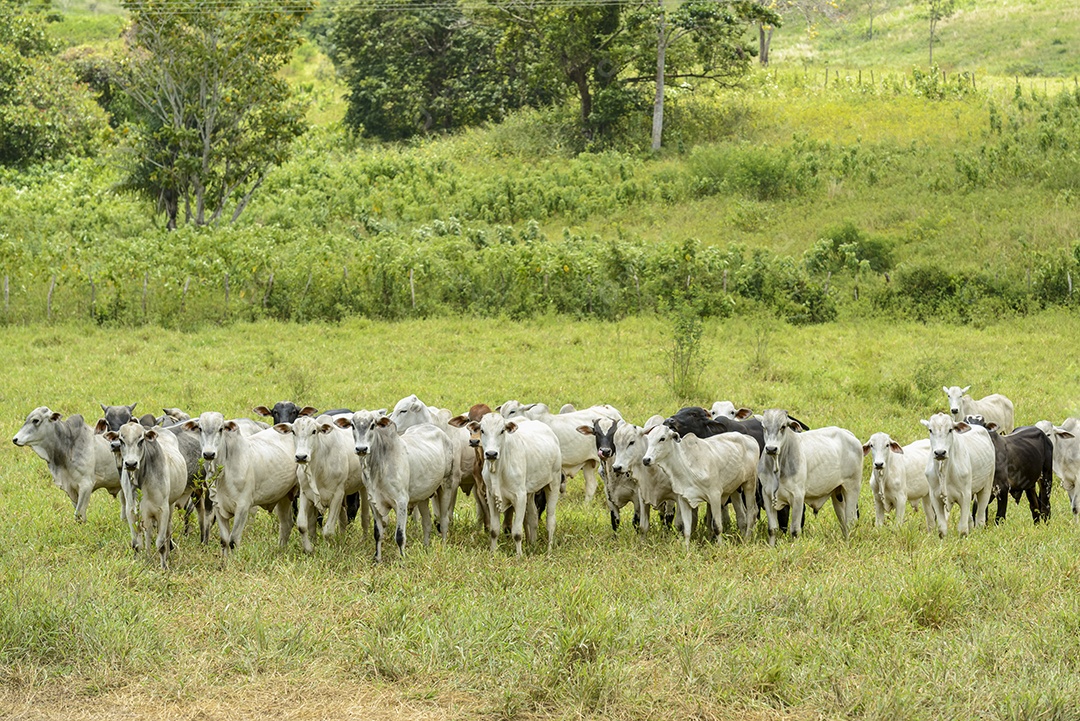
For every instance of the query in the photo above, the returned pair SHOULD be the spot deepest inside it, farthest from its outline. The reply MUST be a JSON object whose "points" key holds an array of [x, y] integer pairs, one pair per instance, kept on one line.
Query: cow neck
{"points": [[681, 466], [67, 445]]}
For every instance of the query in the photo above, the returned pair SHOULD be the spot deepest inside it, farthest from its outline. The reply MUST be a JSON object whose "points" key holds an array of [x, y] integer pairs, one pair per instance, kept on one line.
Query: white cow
{"points": [[651, 484], [961, 465], [327, 470], [80, 462], [154, 464], [727, 409], [402, 472], [521, 457], [1066, 457], [994, 408], [711, 470], [807, 468], [578, 451], [898, 477], [256, 470], [411, 411]]}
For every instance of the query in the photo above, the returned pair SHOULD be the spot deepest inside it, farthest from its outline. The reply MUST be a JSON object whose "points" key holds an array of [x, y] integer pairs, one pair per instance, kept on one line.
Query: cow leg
{"points": [[983, 498], [425, 518], [643, 516], [941, 515], [446, 509], [305, 515], [401, 519], [840, 508], [224, 531], [901, 509], [519, 520], [796, 519], [771, 520], [751, 511], [532, 520], [86, 487], [378, 529], [928, 512], [332, 521], [284, 512], [687, 526], [879, 510], [552, 493], [964, 525], [164, 535], [613, 513], [1033, 503], [239, 521], [589, 471]]}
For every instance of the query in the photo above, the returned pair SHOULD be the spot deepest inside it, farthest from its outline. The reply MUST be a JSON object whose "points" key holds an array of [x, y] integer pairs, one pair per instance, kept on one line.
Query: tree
{"points": [[44, 111], [215, 118], [936, 11], [715, 31], [426, 68]]}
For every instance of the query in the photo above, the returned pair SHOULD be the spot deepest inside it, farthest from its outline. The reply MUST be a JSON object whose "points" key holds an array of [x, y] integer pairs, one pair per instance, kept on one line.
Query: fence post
{"points": [[93, 295], [226, 294], [183, 296], [412, 289], [48, 303], [269, 287], [7, 306], [145, 283], [1068, 276]]}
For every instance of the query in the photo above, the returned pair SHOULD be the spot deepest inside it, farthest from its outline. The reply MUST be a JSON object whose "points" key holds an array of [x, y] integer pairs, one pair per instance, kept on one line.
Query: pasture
{"points": [[894, 623]]}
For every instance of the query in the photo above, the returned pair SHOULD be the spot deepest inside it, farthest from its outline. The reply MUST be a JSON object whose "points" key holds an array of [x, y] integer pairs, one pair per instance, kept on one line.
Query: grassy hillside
{"points": [[891, 624]]}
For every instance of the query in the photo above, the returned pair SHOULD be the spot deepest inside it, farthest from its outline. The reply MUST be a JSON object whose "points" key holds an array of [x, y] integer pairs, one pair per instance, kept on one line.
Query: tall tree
{"points": [[215, 116], [936, 11]]}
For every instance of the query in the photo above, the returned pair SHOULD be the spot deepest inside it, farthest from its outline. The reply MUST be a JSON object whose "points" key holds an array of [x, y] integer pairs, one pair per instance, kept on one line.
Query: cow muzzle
{"points": [[362, 450], [301, 458], [15, 440], [491, 455], [941, 455], [617, 468], [955, 411], [131, 465], [209, 455], [771, 450], [879, 466], [474, 443], [646, 461]]}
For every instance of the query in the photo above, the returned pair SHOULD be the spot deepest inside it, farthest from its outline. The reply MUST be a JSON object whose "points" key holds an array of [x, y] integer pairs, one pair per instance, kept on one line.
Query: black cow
{"points": [[1023, 461], [700, 422]]}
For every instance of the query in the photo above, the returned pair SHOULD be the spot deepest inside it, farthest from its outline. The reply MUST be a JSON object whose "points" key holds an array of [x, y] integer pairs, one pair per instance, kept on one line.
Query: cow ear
{"points": [[56, 417], [231, 426], [795, 426], [585, 431], [150, 434], [678, 438], [326, 428], [262, 411], [965, 389], [946, 389], [101, 426], [343, 422], [896, 448], [191, 425], [381, 412], [283, 428], [528, 407], [131, 408], [925, 422], [961, 427], [743, 413], [111, 436], [511, 427], [104, 408], [473, 426], [384, 422], [309, 411], [991, 426], [1062, 433], [865, 448], [458, 421]]}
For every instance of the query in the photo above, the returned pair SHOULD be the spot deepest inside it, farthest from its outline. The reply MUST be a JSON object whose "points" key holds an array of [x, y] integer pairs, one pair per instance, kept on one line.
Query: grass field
{"points": [[893, 623]]}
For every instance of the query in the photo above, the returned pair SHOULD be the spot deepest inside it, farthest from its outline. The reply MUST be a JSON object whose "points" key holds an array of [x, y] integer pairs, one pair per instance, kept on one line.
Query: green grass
{"points": [[893, 623]]}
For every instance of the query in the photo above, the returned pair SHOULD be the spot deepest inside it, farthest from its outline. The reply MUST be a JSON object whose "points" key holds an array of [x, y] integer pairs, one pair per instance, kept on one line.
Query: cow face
{"points": [[880, 448], [365, 425], [132, 437], [285, 411], [604, 437], [776, 426], [943, 430], [36, 427], [630, 446], [211, 427], [116, 416], [410, 411], [493, 431], [661, 441], [956, 396], [307, 431]]}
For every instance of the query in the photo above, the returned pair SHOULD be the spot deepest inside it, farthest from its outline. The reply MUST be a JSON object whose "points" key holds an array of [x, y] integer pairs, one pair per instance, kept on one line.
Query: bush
{"points": [[759, 172]]}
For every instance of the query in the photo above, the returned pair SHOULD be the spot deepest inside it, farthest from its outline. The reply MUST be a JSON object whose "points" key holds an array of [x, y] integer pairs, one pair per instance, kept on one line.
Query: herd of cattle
{"points": [[515, 460]]}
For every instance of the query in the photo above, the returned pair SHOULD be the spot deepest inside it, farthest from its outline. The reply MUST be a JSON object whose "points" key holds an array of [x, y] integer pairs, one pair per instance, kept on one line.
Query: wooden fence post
{"points": [[48, 303], [412, 289], [269, 287], [145, 283], [226, 293], [183, 296], [93, 295]]}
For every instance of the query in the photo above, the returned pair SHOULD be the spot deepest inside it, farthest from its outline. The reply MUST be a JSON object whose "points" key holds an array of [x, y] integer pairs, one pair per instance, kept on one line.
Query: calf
{"points": [[1066, 457], [327, 470], [961, 465], [994, 408], [710, 470], [520, 458], [402, 471], [79, 461], [256, 470], [155, 466], [727, 409], [898, 477], [650, 484], [578, 452], [807, 468]]}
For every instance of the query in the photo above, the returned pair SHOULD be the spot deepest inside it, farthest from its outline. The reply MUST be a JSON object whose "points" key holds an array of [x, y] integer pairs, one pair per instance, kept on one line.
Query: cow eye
{"points": [[630, 444], [37, 421]]}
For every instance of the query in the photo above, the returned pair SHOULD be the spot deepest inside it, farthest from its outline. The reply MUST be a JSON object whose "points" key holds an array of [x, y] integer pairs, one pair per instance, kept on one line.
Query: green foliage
{"points": [[44, 112], [847, 248], [422, 70], [685, 351], [760, 172], [214, 115]]}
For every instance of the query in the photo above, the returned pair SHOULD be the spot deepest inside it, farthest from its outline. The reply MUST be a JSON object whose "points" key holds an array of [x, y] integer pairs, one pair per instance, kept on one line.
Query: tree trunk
{"points": [[870, 12], [658, 101], [172, 207], [581, 79], [931, 42], [764, 39]]}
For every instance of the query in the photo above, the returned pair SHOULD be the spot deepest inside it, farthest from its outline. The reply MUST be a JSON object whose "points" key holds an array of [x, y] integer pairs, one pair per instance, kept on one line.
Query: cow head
{"points": [[942, 430], [132, 437], [493, 431], [660, 441], [956, 399], [776, 425], [879, 448], [36, 426], [605, 438]]}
